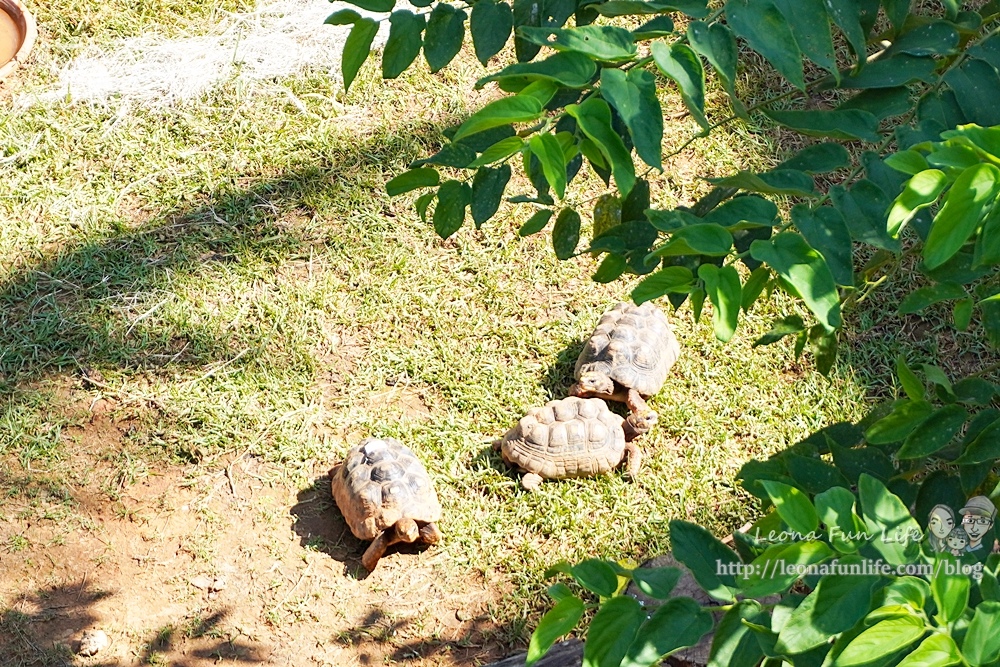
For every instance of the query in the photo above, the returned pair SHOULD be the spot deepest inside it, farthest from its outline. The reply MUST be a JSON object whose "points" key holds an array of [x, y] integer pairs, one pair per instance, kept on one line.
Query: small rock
{"points": [[462, 615], [202, 582], [93, 642], [218, 584]]}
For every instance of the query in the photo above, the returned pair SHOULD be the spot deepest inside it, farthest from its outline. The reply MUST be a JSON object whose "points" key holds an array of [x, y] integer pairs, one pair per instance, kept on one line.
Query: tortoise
{"points": [[572, 437], [385, 495], [627, 358]]}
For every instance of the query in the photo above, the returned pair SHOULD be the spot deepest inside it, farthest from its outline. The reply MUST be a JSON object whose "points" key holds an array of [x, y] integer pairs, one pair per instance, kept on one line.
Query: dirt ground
{"points": [[225, 563]]}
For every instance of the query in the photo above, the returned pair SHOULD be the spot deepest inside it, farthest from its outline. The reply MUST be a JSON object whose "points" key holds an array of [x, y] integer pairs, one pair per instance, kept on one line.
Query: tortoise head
{"points": [[639, 423], [593, 382]]}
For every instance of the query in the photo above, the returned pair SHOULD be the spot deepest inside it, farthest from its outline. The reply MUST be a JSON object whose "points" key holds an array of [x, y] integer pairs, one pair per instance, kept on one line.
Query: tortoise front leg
{"points": [[429, 534], [634, 456], [404, 530], [636, 403]]}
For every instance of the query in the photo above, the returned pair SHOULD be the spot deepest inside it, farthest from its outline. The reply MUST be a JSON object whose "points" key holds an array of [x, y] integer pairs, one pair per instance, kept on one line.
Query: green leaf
{"points": [[863, 208], [342, 17], [450, 155], [678, 623], [898, 424], [934, 433], [855, 461], [882, 639], [951, 595], [723, 289], [987, 251], [596, 576], [753, 287], [846, 14], [516, 109], [761, 24], [682, 66], [896, 11], [453, 197], [892, 72], [985, 448], [733, 644], [849, 124], [610, 269], [912, 385], [403, 44], [775, 570], [535, 223], [697, 239], [835, 605], [379, 6], [611, 632], [656, 582], [490, 24], [989, 311], [423, 201], [411, 180], [594, 118], [982, 641], [961, 314], [810, 26], [777, 182], [487, 191], [786, 326], [932, 39], [835, 508], [356, 49], [881, 102], [444, 36], [573, 70], [604, 43], [986, 139], [823, 345], [705, 556], [744, 212], [559, 592], [566, 233], [806, 270], [818, 159], [962, 210], [920, 192], [825, 230], [961, 157], [693, 8], [976, 84], [896, 534], [633, 96], [718, 46], [498, 151], [793, 507], [671, 280], [558, 621], [546, 147], [925, 297], [662, 26], [907, 590], [938, 650]]}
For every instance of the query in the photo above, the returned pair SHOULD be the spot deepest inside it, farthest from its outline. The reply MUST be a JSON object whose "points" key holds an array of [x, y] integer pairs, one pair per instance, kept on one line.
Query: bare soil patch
{"points": [[228, 562]]}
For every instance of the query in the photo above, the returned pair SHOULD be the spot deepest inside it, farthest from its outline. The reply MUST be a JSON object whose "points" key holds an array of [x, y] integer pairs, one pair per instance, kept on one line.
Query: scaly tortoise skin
{"points": [[627, 358], [385, 495], [571, 437]]}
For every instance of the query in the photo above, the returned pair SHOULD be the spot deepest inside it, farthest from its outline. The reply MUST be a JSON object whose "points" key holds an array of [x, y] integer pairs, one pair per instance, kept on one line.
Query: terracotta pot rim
{"points": [[24, 20]]}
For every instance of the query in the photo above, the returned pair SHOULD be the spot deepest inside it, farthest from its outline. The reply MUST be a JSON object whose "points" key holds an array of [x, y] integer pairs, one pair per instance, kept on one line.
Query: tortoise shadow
{"points": [[558, 376]]}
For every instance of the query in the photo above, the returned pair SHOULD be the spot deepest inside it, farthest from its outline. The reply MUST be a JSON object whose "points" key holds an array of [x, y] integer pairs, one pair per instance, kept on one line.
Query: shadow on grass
{"points": [[43, 629]]}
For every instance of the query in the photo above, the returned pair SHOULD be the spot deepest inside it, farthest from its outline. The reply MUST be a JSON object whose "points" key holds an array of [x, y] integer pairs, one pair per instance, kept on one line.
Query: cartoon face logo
{"points": [[941, 522], [977, 519], [957, 540]]}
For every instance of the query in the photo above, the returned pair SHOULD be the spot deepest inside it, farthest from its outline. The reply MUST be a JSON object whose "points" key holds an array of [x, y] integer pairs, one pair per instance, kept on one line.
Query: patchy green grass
{"points": [[233, 272]]}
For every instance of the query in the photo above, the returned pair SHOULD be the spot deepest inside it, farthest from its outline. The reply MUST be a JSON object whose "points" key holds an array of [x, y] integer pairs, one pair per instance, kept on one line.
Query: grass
{"points": [[234, 272]]}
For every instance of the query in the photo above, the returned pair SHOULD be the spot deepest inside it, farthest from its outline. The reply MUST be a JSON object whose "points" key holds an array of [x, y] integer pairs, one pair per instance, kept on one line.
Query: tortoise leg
{"points": [[429, 534], [635, 402], [634, 456], [404, 530], [531, 481]]}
